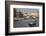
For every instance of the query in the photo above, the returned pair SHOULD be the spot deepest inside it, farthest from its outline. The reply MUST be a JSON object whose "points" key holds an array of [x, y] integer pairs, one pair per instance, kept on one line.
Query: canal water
{"points": [[26, 23]]}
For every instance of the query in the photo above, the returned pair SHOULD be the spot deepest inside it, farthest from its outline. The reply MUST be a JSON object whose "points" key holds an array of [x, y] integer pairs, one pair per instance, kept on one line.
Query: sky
{"points": [[27, 10]]}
